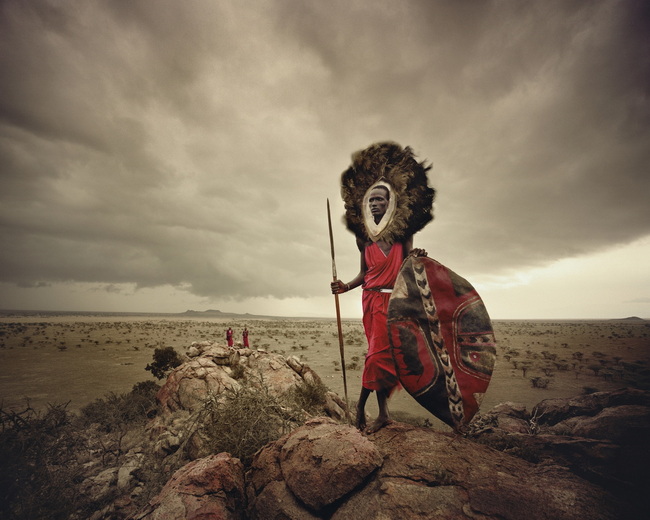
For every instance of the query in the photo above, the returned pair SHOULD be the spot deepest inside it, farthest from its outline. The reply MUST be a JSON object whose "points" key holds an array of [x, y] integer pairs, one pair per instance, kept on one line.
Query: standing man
{"points": [[229, 336], [244, 336], [387, 200]]}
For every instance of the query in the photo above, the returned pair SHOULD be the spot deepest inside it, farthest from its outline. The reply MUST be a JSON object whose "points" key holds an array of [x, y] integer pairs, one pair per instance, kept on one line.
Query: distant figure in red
{"points": [[229, 336], [244, 336]]}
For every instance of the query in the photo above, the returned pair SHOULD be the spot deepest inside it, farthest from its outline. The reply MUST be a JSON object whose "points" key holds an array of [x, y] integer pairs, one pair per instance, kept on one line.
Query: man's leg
{"points": [[384, 417], [361, 408]]}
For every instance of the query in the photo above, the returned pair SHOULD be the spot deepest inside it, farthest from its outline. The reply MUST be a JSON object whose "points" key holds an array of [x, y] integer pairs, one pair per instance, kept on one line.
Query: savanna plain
{"points": [[75, 359]]}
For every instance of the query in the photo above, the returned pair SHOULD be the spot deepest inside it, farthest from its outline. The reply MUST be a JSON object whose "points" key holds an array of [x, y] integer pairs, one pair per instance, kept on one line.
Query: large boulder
{"points": [[210, 374], [191, 383], [212, 487], [324, 463]]}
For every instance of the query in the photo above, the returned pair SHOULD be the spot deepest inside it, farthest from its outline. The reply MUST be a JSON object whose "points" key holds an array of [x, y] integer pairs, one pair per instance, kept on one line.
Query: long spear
{"points": [[338, 316]]}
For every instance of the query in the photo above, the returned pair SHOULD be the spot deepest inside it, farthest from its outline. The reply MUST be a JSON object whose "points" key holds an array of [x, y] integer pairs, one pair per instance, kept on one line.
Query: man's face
{"points": [[378, 203]]}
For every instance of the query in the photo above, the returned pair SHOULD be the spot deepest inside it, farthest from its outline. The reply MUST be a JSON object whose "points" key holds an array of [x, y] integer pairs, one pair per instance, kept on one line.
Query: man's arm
{"points": [[338, 287]]}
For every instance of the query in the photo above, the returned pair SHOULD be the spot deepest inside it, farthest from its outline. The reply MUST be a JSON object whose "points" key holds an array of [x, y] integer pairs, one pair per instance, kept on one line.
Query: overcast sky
{"points": [[161, 156]]}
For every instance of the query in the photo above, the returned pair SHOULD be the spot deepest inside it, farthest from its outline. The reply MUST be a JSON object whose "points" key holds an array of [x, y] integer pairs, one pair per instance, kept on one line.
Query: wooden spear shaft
{"points": [[338, 316]]}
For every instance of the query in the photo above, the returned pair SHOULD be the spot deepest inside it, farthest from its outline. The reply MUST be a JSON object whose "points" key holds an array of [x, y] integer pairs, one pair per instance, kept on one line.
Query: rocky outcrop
{"points": [[209, 372], [199, 489], [584, 457], [327, 470], [211, 369], [601, 437], [607, 445]]}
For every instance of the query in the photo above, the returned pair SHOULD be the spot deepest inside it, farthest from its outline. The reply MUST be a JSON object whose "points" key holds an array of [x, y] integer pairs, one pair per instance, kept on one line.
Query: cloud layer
{"points": [[193, 144]]}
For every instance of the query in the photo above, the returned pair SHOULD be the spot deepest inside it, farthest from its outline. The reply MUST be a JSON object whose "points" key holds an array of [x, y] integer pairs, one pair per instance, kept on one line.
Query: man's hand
{"points": [[338, 287], [418, 252]]}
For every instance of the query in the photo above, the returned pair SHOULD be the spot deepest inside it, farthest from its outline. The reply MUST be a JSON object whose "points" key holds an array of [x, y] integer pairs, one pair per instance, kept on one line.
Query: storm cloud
{"points": [[193, 144]]}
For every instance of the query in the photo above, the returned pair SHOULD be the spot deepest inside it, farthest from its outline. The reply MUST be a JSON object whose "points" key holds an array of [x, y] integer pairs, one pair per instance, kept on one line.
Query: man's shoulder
{"points": [[362, 243]]}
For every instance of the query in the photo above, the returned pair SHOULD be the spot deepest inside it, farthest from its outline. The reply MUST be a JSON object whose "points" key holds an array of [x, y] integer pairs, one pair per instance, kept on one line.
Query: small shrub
{"points": [[309, 396], [238, 371], [241, 421], [354, 365], [548, 370], [114, 412]]}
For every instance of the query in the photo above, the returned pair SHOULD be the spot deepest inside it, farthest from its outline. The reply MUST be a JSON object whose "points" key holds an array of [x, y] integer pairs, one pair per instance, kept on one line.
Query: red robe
{"points": [[379, 371]]}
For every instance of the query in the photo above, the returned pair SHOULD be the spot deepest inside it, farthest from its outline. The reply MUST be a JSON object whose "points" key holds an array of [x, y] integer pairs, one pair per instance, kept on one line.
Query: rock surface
{"points": [[602, 437], [570, 459], [411, 472]]}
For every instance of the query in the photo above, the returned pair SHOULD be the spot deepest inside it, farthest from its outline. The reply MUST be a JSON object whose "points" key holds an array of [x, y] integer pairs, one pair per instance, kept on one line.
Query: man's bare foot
{"points": [[361, 419], [379, 423]]}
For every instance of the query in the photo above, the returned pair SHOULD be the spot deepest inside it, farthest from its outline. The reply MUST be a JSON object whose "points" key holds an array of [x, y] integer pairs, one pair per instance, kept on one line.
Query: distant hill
{"points": [[213, 313], [631, 318], [190, 313]]}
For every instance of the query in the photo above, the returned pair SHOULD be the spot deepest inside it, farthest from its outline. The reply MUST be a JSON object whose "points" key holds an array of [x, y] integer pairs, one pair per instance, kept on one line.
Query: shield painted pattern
{"points": [[442, 340]]}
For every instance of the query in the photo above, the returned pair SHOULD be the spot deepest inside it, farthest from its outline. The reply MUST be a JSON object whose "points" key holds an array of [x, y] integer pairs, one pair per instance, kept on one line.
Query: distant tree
{"points": [[595, 368], [548, 370], [540, 382], [164, 360]]}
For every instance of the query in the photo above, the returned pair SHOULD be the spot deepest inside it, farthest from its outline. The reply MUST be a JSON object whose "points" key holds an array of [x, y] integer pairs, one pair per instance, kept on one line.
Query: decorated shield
{"points": [[442, 340]]}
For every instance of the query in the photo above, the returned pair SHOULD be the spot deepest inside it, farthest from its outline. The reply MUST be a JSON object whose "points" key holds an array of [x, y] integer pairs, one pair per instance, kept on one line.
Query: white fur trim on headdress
{"points": [[374, 230]]}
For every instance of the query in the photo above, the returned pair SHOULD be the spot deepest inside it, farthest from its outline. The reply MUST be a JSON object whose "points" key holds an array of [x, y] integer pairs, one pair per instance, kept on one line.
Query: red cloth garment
{"points": [[379, 371], [245, 338]]}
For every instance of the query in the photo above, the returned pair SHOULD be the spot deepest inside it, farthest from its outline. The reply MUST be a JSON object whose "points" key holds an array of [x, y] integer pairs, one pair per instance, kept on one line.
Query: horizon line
{"points": [[247, 315]]}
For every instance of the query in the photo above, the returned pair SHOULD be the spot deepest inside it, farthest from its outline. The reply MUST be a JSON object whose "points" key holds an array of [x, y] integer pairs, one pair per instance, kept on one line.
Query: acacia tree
{"points": [[164, 360]]}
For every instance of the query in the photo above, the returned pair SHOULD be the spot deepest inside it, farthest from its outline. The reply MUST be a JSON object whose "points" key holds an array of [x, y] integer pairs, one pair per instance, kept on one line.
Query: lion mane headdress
{"points": [[394, 168]]}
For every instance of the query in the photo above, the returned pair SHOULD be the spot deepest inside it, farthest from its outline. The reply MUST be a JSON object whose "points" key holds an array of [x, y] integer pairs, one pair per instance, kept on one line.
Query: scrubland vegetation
{"points": [[46, 454], [76, 391], [53, 460], [61, 359]]}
